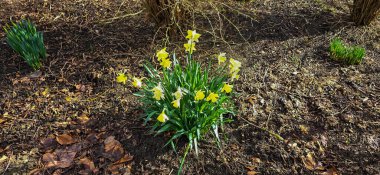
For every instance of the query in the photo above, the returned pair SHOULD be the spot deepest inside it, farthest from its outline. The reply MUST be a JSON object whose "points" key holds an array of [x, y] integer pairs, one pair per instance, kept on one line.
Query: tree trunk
{"points": [[165, 13], [365, 11]]}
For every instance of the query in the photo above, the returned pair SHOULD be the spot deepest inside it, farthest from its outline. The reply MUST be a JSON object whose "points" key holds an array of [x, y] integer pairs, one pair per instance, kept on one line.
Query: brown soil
{"points": [[289, 86]]}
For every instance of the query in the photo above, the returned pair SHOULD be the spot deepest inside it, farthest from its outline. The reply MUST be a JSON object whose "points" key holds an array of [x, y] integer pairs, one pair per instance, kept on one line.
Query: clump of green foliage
{"points": [[187, 100], [340, 52], [24, 38]]}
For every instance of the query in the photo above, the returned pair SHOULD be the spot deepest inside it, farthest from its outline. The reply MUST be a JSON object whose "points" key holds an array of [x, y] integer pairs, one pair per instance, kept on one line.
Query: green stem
{"points": [[183, 159]]}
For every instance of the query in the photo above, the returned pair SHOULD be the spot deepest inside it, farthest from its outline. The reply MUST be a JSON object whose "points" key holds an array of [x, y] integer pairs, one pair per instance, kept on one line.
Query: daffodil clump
{"points": [[188, 100]]}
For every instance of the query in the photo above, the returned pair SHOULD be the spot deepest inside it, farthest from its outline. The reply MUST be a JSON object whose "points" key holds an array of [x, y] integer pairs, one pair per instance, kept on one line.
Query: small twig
{"points": [[118, 17], [6, 168], [341, 110], [277, 136]]}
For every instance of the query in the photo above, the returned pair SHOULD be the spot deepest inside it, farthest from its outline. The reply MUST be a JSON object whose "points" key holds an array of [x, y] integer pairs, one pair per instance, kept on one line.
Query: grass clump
{"points": [[340, 52], [24, 38], [187, 101]]}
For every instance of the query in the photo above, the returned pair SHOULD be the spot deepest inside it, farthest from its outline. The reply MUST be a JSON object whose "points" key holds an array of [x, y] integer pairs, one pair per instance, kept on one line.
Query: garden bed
{"points": [[327, 113]]}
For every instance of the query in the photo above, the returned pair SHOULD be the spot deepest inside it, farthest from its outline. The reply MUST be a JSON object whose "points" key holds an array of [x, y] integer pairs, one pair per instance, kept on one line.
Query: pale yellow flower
{"points": [[165, 63], [193, 35], [158, 92], [162, 117], [176, 103], [222, 58], [199, 95], [162, 54], [137, 82], [227, 88], [235, 75], [212, 97], [190, 47], [234, 65], [121, 78], [178, 94]]}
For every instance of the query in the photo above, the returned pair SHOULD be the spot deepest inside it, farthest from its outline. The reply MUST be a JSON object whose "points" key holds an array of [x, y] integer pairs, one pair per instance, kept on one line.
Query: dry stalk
{"points": [[173, 17]]}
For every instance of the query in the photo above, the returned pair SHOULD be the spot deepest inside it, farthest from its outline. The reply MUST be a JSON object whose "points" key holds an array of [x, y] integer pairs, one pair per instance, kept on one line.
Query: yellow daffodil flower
{"points": [[165, 63], [158, 92], [162, 117], [199, 95], [193, 35], [234, 65], [176, 103], [222, 58], [190, 47], [178, 94], [162, 54], [212, 97], [121, 78], [227, 88], [235, 75], [137, 82]]}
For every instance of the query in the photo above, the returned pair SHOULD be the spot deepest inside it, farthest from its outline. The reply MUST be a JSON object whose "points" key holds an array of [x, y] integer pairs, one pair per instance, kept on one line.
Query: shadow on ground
{"points": [[283, 25]]}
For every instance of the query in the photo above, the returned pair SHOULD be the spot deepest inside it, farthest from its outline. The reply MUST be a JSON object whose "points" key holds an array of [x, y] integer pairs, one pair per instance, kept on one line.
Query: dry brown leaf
{"points": [[24, 80], [310, 163], [80, 87], [252, 100], [124, 159], [234, 147], [2, 121], [91, 138], [83, 118], [36, 171], [252, 173], [88, 165], [60, 158], [49, 157], [255, 163], [48, 142], [65, 139], [114, 169], [250, 168], [4, 149], [256, 160], [113, 149], [330, 171], [57, 172], [120, 169], [304, 129]]}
